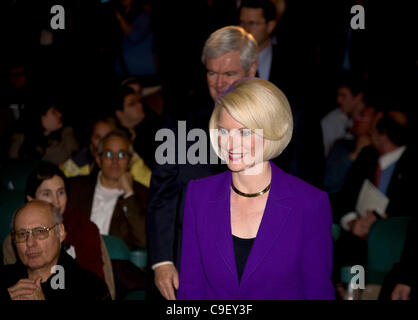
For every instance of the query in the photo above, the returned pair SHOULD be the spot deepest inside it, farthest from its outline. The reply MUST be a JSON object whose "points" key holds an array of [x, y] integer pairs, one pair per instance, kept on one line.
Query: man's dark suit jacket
{"points": [[401, 190], [128, 220], [168, 189], [304, 156]]}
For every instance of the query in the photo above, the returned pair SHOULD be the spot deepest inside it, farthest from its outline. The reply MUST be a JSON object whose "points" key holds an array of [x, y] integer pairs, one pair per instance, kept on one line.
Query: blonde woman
{"points": [[254, 232]]}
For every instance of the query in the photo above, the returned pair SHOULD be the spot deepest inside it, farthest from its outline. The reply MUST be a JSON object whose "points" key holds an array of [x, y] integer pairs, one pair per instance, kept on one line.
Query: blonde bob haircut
{"points": [[256, 104]]}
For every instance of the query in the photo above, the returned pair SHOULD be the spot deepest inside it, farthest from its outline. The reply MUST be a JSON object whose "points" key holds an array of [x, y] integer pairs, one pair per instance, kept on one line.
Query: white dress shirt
{"points": [[265, 58], [104, 202]]}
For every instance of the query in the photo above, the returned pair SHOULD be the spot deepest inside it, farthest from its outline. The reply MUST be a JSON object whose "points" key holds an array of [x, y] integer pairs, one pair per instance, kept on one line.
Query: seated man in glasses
{"points": [[45, 272], [113, 200]]}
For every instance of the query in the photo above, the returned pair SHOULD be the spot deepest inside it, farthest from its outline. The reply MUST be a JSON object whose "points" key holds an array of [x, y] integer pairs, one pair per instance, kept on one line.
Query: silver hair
{"points": [[228, 39], [116, 133]]}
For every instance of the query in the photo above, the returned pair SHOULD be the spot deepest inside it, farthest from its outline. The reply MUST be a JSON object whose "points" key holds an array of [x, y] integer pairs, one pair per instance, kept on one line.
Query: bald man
{"points": [[45, 272]]}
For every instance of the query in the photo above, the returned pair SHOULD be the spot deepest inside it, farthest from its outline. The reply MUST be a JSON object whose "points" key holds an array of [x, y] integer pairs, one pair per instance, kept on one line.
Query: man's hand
{"points": [[27, 289], [126, 183], [401, 292], [361, 226], [167, 279]]}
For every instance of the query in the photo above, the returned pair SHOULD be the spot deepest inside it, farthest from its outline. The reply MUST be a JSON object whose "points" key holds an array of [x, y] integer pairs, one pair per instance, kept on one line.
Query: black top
{"points": [[79, 284], [242, 249]]}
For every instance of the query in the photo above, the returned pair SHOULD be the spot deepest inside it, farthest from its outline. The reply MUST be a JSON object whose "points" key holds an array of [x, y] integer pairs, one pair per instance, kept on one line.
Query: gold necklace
{"points": [[251, 195]]}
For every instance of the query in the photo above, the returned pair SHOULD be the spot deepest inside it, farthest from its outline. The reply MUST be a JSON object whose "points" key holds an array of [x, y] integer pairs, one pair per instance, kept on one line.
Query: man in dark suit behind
{"points": [[229, 54], [277, 63]]}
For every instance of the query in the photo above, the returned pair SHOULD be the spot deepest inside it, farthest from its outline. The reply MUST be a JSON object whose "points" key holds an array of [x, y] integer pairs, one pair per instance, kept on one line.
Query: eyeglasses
{"points": [[39, 233], [118, 155]]}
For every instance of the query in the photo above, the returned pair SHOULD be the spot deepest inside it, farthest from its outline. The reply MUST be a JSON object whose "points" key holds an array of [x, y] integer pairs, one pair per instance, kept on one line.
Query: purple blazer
{"points": [[291, 257]]}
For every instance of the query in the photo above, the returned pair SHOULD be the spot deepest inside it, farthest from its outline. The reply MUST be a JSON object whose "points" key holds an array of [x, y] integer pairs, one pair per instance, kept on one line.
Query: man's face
{"points": [[133, 111], [363, 122], [38, 253], [114, 159], [253, 21], [347, 101], [223, 71], [52, 120]]}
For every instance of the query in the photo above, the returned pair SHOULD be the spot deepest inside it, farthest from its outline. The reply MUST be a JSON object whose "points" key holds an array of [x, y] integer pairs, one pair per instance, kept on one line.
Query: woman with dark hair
{"points": [[83, 241]]}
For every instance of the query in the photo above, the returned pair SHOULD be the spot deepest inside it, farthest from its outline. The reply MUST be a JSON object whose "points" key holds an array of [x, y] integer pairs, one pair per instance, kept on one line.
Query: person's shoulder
{"points": [[82, 180], [84, 283], [297, 186], [67, 131], [335, 113], [206, 186], [140, 188]]}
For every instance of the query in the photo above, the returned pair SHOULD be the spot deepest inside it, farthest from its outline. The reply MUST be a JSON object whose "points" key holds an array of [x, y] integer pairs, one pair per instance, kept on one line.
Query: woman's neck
{"points": [[254, 179]]}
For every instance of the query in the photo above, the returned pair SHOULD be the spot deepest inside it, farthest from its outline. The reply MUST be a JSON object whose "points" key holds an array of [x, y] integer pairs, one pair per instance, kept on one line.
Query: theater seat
{"points": [[10, 201], [385, 244], [127, 266], [14, 173]]}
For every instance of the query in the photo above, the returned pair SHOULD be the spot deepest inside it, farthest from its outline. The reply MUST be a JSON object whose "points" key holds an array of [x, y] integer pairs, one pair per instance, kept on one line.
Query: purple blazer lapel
{"points": [[274, 220], [220, 208]]}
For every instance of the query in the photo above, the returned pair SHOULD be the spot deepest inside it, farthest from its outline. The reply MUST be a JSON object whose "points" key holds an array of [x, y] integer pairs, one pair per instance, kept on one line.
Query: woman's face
{"points": [[240, 147], [53, 191], [52, 120]]}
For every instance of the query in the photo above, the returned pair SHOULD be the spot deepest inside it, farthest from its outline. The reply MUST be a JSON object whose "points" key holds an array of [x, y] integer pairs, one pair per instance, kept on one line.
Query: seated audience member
{"points": [[83, 162], [346, 150], [350, 103], [134, 22], [83, 241], [390, 165], [48, 139], [38, 233], [131, 115], [401, 283], [151, 96], [111, 198]]}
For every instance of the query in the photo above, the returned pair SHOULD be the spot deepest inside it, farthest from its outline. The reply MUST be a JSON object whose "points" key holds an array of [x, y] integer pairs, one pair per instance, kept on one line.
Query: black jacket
{"points": [[79, 284], [168, 189]]}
